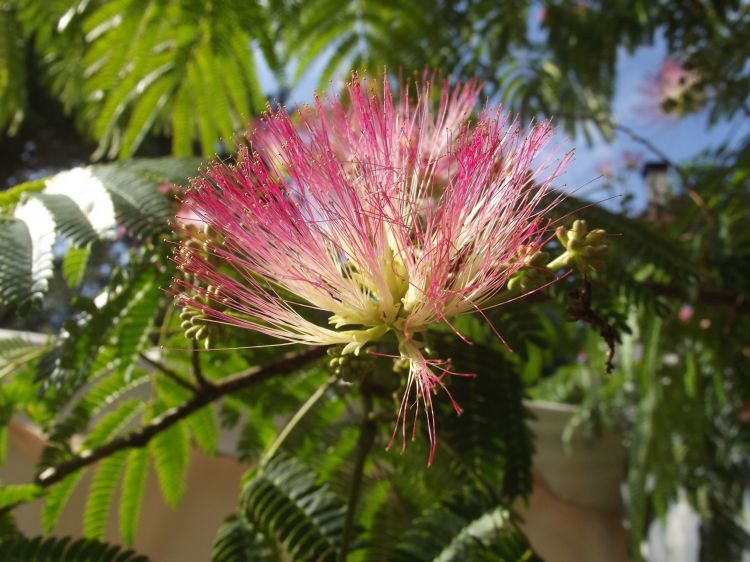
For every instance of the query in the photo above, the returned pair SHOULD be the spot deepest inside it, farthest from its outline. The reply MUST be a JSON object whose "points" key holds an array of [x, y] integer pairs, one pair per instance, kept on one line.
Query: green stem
{"points": [[196, 363], [22, 359], [559, 262], [163, 369], [364, 446], [296, 418]]}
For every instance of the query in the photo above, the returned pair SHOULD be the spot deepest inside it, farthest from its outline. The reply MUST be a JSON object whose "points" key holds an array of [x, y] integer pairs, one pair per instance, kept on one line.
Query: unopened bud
{"points": [[587, 249]]}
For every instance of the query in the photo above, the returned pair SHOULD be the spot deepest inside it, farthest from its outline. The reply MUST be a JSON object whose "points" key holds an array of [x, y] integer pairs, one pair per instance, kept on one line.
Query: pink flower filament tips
{"points": [[366, 216]]}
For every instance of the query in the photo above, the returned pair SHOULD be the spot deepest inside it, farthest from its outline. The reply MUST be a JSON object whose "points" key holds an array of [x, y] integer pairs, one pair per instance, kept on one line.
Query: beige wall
{"points": [[563, 523], [165, 535]]}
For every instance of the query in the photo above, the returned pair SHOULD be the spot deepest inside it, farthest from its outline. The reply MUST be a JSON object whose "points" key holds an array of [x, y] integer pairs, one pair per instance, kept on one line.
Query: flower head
{"points": [[673, 89], [364, 217], [632, 159]]}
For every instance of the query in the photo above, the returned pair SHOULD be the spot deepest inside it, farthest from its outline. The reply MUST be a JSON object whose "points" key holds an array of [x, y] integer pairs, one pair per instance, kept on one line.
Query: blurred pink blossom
{"points": [[665, 90], [631, 159], [685, 314], [606, 169]]}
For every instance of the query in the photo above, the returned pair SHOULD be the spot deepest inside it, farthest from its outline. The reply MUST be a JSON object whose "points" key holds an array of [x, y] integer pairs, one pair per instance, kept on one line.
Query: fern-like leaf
{"points": [[154, 63], [460, 529], [103, 393], [239, 541], [131, 495], [19, 493], [285, 503], [74, 265], [133, 332], [113, 423], [74, 357], [170, 451], [205, 429], [138, 204], [57, 498], [64, 549], [18, 285], [101, 491], [70, 220], [491, 438], [83, 205]]}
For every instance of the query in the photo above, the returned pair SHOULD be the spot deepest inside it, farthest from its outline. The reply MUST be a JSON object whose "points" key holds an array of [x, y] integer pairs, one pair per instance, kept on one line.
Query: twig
{"points": [[364, 446], [202, 397], [174, 375], [296, 418], [585, 313], [643, 141], [684, 177], [197, 370]]}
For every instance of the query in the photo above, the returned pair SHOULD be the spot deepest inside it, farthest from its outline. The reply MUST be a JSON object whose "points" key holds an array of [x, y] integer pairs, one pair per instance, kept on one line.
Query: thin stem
{"points": [[163, 369], [364, 446], [559, 262], [643, 141], [197, 369], [296, 418], [21, 359], [203, 396]]}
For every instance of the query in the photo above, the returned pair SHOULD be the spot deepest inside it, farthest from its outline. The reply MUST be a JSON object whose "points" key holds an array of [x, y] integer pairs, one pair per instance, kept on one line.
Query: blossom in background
{"points": [[671, 89], [686, 312], [606, 169], [631, 159], [364, 217]]}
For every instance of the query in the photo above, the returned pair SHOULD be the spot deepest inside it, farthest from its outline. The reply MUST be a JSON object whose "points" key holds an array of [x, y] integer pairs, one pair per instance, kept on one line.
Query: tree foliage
{"points": [[674, 295], [190, 70]]}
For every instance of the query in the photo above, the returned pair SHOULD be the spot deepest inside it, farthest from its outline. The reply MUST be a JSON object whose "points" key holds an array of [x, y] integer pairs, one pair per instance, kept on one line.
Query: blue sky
{"points": [[679, 138]]}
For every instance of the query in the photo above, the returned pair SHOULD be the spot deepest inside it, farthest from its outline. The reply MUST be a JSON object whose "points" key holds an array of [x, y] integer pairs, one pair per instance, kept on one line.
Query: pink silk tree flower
{"points": [[364, 217], [671, 90]]}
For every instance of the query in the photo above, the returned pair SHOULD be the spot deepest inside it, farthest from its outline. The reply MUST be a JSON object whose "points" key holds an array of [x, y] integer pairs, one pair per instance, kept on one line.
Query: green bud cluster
{"points": [[195, 323], [584, 248], [349, 367], [532, 275], [401, 366], [201, 242], [186, 252]]}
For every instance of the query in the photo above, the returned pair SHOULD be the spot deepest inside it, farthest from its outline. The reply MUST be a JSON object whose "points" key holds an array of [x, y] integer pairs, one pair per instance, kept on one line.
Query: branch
{"points": [[202, 397], [163, 369], [197, 369], [643, 141], [684, 177], [585, 313], [364, 446]]}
